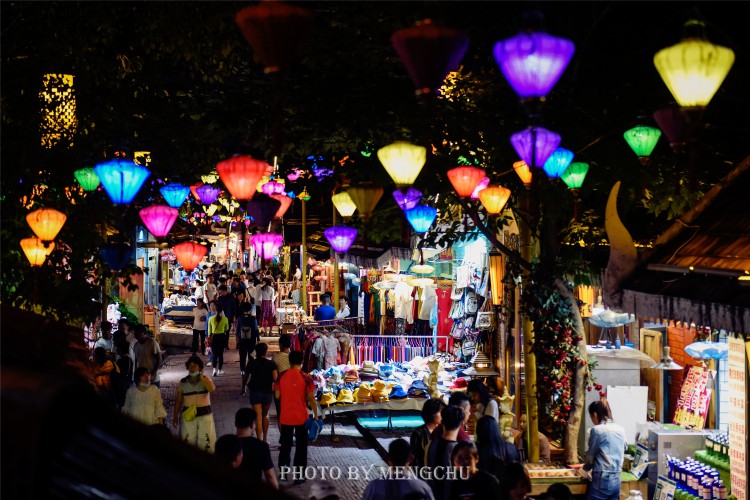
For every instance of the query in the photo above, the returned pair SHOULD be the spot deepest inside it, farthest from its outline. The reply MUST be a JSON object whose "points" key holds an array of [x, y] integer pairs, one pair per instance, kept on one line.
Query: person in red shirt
{"points": [[296, 390]]}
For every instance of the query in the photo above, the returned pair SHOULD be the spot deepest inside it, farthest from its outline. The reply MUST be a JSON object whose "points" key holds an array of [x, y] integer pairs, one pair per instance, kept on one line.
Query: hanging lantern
{"points": [[241, 174], [116, 255], [58, 102], [262, 209], [534, 145], [407, 200], [675, 125], [194, 191], [189, 254], [575, 174], [694, 69], [344, 203], [524, 172], [421, 217], [494, 198], [46, 223], [558, 162], [274, 30], [36, 251], [87, 178], [285, 202], [533, 62], [429, 53], [366, 199], [159, 219], [465, 179], [642, 140], [340, 238], [208, 194], [175, 194], [266, 244], [403, 161], [482, 184], [272, 187], [497, 274], [122, 179]]}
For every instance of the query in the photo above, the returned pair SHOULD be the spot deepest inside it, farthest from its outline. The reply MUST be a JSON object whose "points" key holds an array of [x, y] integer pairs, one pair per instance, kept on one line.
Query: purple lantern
{"points": [[533, 62], [159, 219], [262, 209], [534, 145], [407, 200], [272, 187], [208, 194], [266, 244], [675, 125], [340, 237], [482, 185]]}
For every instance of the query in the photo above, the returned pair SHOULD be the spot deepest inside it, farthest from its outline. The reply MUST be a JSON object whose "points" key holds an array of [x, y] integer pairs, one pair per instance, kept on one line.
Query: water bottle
{"points": [[617, 342]]}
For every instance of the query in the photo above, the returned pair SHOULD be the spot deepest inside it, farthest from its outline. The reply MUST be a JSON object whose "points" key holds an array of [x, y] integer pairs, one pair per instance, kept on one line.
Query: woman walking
{"points": [[263, 373], [192, 409], [267, 295], [605, 454], [218, 332], [143, 401]]}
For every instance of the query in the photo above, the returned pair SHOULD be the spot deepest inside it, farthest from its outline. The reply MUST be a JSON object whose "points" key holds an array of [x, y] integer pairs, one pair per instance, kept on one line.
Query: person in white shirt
{"points": [[344, 310], [105, 340], [198, 294], [210, 292], [200, 313]]}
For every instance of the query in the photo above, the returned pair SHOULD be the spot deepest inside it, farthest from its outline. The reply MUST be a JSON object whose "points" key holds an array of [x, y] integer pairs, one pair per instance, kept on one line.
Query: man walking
{"points": [[210, 293], [296, 390], [147, 353], [256, 455]]}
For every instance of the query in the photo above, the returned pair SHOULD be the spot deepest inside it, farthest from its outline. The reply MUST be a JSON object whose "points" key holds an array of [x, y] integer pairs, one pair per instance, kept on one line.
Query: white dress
{"points": [[144, 406]]}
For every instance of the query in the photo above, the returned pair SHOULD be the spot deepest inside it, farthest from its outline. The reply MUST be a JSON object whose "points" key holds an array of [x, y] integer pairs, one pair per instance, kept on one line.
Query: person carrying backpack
{"points": [[247, 337]]}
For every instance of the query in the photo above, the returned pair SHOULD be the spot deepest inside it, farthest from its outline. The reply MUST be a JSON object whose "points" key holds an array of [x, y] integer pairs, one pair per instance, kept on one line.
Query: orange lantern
{"points": [[46, 223], [241, 175], [189, 254], [524, 172], [285, 201], [465, 179], [36, 251], [494, 198]]}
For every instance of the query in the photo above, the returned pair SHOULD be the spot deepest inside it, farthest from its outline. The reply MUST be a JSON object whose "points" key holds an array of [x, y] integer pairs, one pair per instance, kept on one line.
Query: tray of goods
{"points": [[543, 472]]}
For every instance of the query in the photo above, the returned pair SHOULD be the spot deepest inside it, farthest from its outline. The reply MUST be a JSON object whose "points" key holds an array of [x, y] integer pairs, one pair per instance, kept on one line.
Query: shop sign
{"points": [[737, 417], [692, 406]]}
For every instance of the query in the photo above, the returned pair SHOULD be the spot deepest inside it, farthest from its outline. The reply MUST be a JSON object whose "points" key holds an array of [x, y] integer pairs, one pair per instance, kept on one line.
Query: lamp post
{"points": [[304, 196]]}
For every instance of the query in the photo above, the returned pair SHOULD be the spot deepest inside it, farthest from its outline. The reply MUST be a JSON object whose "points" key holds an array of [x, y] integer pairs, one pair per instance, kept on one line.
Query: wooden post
{"points": [[303, 256]]}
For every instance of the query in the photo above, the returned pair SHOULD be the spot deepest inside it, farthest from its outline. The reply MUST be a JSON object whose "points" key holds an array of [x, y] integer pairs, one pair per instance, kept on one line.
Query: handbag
{"points": [[190, 413], [209, 340]]}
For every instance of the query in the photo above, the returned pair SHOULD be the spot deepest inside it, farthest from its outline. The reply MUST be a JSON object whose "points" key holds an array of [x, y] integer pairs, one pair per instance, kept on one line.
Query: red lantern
{"points": [[274, 30], [189, 254], [465, 179], [241, 175], [285, 201], [193, 189], [429, 53]]}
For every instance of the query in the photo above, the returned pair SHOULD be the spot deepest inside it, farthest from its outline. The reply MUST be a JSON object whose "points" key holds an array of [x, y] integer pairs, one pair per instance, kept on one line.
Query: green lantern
{"points": [[87, 178], [575, 174], [642, 140]]}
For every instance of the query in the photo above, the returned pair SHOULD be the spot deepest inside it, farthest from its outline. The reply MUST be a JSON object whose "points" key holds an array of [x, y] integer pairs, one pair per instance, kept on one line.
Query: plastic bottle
{"points": [[617, 342], [635, 495]]}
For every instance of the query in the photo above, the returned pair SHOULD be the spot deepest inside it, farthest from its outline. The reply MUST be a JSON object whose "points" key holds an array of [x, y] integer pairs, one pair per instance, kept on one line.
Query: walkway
{"points": [[349, 450]]}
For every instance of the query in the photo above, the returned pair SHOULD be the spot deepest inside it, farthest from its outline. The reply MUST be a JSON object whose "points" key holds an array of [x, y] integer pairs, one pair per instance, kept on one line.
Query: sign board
{"points": [[736, 367], [640, 462], [629, 404], [665, 489], [692, 406]]}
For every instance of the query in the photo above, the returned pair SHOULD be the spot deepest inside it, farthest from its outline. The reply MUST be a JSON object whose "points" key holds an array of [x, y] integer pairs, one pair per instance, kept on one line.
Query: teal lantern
{"points": [[122, 179], [558, 162], [421, 217], [642, 140], [575, 174], [87, 178], [175, 194]]}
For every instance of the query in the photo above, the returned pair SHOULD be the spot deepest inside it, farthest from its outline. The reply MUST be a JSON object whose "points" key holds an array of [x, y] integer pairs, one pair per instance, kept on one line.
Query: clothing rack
{"points": [[397, 348]]}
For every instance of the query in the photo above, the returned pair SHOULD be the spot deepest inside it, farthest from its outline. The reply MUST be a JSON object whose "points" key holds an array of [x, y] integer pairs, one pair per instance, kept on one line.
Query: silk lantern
{"points": [[465, 179], [675, 125], [366, 199], [116, 255], [87, 178], [194, 191], [524, 172], [344, 203], [266, 244], [241, 175], [558, 162], [407, 200], [208, 193], [175, 194], [534, 145], [122, 179], [159, 219], [340, 238], [36, 250], [421, 217], [497, 274], [189, 254], [494, 198], [262, 209], [285, 203], [46, 223], [403, 161], [575, 174], [482, 184], [642, 140]]}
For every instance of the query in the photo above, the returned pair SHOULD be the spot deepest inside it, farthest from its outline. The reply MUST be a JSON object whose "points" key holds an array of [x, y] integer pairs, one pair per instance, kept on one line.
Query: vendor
{"points": [[606, 452], [523, 446]]}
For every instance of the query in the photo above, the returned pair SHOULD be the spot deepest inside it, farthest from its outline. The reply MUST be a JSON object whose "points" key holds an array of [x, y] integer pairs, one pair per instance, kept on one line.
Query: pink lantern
{"points": [[482, 184], [266, 244], [272, 187], [159, 219], [285, 201]]}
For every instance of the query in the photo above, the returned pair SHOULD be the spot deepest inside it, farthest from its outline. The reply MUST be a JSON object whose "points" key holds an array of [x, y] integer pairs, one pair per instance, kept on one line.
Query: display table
{"points": [[393, 405], [176, 337], [579, 486]]}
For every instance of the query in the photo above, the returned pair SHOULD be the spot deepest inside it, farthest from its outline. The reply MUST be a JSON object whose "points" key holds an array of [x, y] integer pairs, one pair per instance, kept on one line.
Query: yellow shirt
{"points": [[219, 327]]}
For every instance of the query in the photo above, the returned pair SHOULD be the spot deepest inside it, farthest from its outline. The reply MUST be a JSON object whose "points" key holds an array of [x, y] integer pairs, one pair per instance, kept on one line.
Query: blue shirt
{"points": [[606, 448], [325, 313]]}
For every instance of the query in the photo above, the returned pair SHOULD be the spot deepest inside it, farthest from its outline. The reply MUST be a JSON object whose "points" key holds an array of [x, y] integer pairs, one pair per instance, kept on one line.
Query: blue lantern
{"points": [[116, 255], [175, 194], [122, 179], [558, 162], [421, 217]]}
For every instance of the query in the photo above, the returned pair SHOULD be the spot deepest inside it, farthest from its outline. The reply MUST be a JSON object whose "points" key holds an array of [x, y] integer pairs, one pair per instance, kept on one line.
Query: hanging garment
{"points": [[428, 301]]}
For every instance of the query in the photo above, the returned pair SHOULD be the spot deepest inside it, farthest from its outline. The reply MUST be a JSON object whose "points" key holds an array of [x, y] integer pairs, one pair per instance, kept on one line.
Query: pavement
{"points": [[348, 449]]}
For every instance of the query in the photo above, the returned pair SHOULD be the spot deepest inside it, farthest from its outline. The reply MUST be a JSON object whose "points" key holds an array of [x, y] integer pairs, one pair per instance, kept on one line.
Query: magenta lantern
{"points": [[159, 219], [208, 193], [341, 238], [266, 244], [533, 62], [407, 200], [535, 145], [482, 185]]}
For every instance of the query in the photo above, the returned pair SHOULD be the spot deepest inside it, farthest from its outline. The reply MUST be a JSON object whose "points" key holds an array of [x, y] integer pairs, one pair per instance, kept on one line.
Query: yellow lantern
{"points": [[46, 223], [494, 198], [524, 172], [497, 273], [344, 204], [403, 161], [694, 69], [366, 198], [36, 251]]}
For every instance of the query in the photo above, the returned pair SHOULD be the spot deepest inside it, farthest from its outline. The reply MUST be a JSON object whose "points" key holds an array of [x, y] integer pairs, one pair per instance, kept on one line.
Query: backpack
{"points": [[246, 332]]}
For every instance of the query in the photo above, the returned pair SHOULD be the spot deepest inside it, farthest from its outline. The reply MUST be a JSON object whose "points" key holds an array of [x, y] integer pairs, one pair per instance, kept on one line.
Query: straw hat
{"points": [[352, 376], [363, 394], [380, 391], [345, 397], [368, 367]]}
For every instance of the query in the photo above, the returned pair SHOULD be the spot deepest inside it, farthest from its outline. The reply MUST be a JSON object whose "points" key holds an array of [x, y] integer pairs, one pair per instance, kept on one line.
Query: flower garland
{"points": [[556, 349]]}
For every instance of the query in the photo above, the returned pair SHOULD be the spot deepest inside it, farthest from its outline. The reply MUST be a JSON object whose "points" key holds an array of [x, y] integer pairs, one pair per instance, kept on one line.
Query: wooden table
{"points": [[580, 487]]}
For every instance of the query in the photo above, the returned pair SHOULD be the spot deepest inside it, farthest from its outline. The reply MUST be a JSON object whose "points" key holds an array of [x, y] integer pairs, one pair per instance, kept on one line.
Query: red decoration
{"points": [[465, 179], [241, 175], [429, 53], [274, 30], [285, 201], [193, 189], [189, 254]]}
